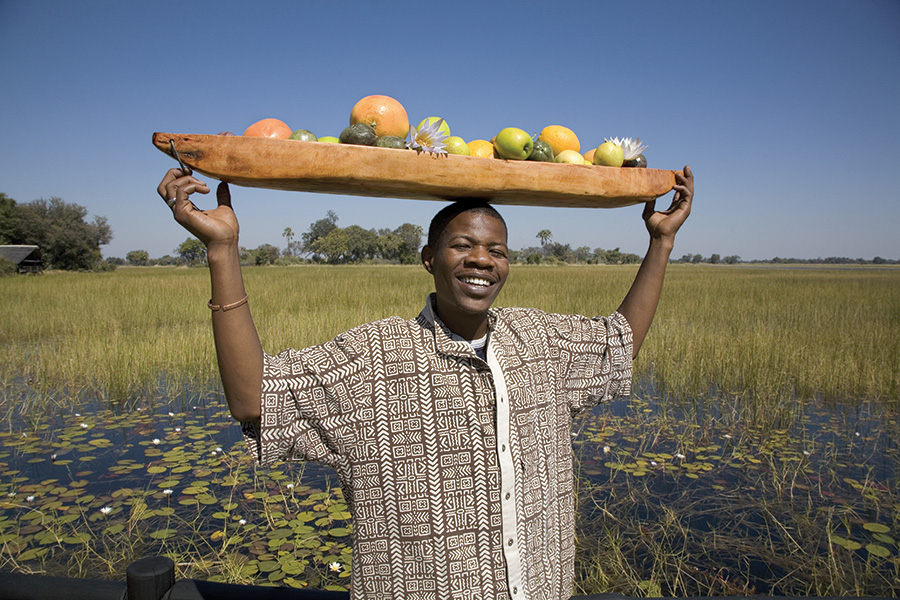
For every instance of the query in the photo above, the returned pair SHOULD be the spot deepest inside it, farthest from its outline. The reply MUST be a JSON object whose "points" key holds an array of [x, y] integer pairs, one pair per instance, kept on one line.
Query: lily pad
{"points": [[878, 550], [164, 534]]}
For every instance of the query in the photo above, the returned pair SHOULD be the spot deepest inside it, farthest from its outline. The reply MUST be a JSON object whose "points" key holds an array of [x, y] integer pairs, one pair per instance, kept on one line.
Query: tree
{"points": [[400, 245], [58, 228], [583, 254], [318, 231], [347, 245], [266, 254], [545, 236], [288, 235], [138, 258], [9, 220], [192, 252]]}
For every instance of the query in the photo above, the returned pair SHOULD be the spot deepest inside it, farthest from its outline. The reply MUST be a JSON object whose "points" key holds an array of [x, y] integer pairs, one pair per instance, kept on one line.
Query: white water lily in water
{"points": [[428, 138], [106, 510], [631, 148], [335, 566]]}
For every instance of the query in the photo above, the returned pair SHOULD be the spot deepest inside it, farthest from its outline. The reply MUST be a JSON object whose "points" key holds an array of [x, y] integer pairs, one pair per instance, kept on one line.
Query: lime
{"points": [[303, 135], [391, 141], [542, 152], [361, 134]]}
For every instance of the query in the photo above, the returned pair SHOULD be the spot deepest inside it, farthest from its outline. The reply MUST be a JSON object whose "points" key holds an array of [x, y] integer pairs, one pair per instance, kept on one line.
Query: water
{"points": [[696, 501]]}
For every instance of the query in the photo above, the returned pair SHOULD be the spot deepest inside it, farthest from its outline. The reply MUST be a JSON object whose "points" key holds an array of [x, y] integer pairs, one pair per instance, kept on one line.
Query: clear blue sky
{"points": [[788, 112]]}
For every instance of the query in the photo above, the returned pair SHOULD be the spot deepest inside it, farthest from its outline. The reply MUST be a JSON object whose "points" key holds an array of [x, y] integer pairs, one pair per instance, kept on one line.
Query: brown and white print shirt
{"points": [[458, 471]]}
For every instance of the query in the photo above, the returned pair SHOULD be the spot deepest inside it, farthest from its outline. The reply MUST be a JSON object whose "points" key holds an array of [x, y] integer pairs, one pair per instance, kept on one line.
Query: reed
{"points": [[758, 335]]}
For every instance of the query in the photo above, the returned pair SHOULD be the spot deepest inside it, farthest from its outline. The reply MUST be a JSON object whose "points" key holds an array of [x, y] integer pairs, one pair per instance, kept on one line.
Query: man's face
{"points": [[470, 265]]}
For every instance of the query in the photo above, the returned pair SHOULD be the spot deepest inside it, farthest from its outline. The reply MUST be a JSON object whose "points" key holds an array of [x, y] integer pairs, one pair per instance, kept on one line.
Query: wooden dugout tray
{"points": [[385, 172]]}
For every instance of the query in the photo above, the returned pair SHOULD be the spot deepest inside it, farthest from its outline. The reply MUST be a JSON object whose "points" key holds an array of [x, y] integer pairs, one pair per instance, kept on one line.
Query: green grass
{"points": [[769, 334]]}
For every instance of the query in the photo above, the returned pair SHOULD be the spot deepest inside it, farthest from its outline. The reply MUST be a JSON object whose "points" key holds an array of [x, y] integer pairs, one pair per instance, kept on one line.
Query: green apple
{"points": [[330, 139], [513, 143], [444, 128], [571, 157], [608, 154], [456, 145], [303, 135], [542, 152]]}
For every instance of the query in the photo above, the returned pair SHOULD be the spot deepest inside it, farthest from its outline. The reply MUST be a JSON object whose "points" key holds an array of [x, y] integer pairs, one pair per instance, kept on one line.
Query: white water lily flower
{"points": [[242, 522], [84, 425], [429, 138], [606, 449], [168, 492], [156, 441], [29, 498], [631, 148], [106, 510], [680, 456], [335, 566]]}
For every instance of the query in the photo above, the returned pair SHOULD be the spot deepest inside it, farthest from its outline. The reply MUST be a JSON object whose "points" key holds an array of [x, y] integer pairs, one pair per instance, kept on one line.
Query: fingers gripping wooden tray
{"points": [[386, 172]]}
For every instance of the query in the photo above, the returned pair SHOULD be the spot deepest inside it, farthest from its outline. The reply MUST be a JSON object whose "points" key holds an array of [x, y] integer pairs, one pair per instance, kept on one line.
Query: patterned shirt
{"points": [[458, 471]]}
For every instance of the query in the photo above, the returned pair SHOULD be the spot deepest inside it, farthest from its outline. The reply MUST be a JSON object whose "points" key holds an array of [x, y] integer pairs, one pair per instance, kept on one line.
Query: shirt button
{"points": [[509, 542], [503, 448], [515, 590], [507, 495]]}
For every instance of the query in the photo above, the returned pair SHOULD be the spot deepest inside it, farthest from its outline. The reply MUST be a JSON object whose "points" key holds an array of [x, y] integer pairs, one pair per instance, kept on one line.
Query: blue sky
{"points": [[788, 112]]}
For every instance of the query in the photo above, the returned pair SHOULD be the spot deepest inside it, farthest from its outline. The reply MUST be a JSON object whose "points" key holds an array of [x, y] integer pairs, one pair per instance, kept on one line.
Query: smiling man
{"points": [[451, 432]]}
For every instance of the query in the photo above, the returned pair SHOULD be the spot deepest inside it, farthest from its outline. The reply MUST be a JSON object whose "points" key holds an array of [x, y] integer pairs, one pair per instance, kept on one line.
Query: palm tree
{"points": [[544, 235]]}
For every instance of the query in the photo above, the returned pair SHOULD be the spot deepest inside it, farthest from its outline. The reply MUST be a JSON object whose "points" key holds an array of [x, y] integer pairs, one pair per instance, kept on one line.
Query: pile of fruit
{"points": [[382, 121]]}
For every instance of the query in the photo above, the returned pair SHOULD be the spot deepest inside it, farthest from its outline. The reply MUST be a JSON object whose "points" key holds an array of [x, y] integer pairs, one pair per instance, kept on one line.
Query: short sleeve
{"points": [[307, 407], [595, 358]]}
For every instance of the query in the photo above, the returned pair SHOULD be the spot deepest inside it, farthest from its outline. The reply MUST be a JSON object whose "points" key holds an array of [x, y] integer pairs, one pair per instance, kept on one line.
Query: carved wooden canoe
{"points": [[385, 172]]}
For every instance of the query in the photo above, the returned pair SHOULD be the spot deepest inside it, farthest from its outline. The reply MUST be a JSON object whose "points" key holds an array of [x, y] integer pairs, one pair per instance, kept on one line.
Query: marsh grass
{"points": [[712, 479], [754, 333]]}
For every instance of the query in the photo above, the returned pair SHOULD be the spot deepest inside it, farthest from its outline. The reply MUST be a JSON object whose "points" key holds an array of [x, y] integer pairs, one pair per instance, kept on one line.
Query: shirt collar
{"points": [[443, 336]]}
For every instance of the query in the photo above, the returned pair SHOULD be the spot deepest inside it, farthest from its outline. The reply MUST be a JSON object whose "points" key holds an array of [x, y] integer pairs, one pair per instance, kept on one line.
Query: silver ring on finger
{"points": [[171, 202]]}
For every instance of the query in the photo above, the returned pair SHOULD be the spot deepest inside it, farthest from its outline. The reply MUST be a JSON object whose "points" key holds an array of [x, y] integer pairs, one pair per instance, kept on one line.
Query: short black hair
{"points": [[448, 213]]}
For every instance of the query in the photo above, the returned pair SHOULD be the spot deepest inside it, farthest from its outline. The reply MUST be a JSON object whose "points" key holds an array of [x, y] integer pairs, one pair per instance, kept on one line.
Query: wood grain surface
{"points": [[385, 172]]}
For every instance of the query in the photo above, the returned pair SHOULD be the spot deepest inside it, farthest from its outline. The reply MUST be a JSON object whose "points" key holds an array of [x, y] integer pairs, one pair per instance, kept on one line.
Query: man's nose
{"points": [[479, 255]]}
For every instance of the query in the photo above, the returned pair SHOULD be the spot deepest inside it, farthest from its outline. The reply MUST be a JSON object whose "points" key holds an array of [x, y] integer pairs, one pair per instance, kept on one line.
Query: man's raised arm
{"points": [[640, 303], [238, 349]]}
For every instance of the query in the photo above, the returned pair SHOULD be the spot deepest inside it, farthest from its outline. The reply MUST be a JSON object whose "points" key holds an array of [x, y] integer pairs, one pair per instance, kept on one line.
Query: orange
{"points": [[481, 148], [560, 138], [271, 128], [383, 113], [589, 156]]}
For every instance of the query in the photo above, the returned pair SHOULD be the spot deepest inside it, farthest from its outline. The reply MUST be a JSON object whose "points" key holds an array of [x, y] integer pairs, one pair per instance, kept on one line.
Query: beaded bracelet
{"points": [[224, 307]]}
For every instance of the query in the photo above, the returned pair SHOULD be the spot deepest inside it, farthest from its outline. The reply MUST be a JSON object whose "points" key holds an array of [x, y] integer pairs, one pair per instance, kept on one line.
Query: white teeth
{"points": [[476, 281]]}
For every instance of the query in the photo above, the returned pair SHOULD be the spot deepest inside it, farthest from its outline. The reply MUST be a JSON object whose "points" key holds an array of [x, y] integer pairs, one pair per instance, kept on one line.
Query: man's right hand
{"points": [[216, 227]]}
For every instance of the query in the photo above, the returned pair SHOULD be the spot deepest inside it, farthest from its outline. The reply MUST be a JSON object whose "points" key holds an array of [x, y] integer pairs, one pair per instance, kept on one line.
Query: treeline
{"points": [[714, 259], [66, 240], [324, 242]]}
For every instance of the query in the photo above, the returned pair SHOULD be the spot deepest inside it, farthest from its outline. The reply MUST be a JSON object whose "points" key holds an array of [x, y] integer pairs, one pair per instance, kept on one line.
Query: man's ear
{"points": [[427, 258]]}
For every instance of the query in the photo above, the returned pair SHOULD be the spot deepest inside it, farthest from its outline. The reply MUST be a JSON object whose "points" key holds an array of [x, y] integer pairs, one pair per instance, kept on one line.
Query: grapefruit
{"points": [[560, 138], [270, 128], [383, 113]]}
